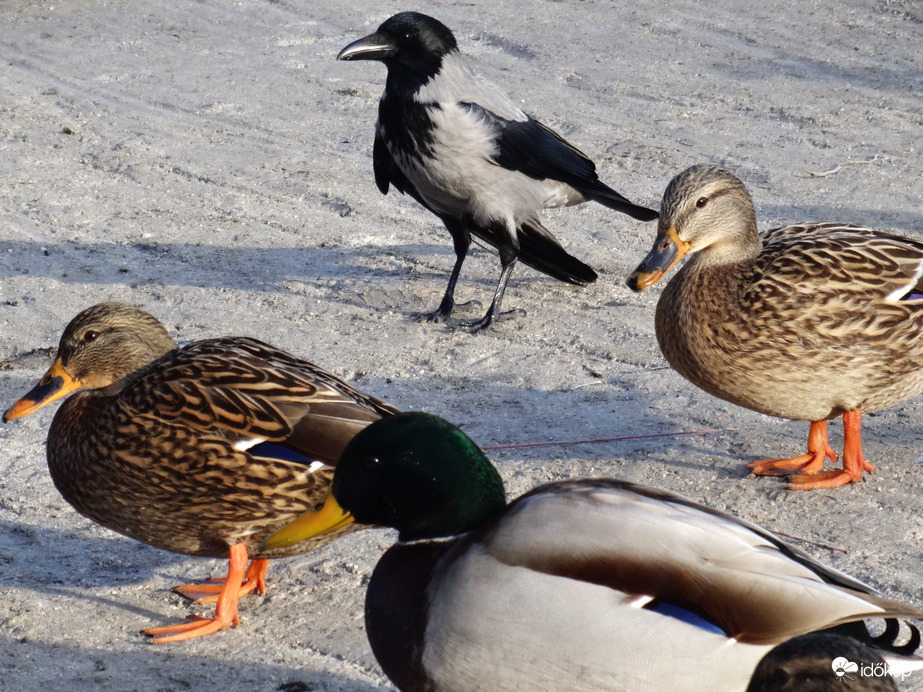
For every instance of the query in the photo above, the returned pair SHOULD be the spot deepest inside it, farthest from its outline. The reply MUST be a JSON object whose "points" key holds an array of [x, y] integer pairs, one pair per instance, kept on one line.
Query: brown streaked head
{"points": [[706, 210], [99, 347]]}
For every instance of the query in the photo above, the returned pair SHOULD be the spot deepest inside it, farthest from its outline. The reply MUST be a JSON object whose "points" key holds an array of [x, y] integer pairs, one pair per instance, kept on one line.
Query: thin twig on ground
{"points": [[839, 167]]}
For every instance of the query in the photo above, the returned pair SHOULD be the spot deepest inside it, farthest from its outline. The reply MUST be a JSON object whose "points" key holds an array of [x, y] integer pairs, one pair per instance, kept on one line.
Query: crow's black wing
{"points": [[539, 152]]}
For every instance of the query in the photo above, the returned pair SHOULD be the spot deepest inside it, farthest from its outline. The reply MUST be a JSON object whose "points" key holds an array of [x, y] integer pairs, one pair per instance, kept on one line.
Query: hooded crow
{"points": [[460, 147]]}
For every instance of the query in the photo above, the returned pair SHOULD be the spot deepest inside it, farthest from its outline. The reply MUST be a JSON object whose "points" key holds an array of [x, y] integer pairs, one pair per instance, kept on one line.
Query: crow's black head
{"points": [[408, 41]]}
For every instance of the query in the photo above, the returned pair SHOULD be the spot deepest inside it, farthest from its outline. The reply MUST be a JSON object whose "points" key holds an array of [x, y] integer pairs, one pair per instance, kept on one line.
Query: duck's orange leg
{"points": [[225, 612], [255, 580], [805, 464], [853, 461]]}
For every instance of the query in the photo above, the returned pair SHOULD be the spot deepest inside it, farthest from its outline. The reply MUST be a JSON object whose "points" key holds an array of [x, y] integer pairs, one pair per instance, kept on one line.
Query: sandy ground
{"points": [[211, 162]]}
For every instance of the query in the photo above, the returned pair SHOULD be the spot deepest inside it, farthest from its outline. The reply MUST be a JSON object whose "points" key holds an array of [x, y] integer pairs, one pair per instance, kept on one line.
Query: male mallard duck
{"points": [[200, 450], [577, 585], [807, 322]]}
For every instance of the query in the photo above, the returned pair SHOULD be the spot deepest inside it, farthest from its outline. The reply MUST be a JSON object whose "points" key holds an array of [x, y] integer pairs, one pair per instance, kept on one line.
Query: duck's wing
{"points": [[256, 397], [662, 552], [854, 265]]}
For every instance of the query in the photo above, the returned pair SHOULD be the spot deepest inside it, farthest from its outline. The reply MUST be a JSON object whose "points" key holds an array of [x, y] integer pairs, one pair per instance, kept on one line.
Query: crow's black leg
{"points": [[461, 239], [508, 261]]}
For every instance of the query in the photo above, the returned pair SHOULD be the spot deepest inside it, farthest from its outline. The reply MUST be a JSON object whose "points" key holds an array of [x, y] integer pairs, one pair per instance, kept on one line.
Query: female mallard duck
{"points": [[577, 585], [200, 450], [807, 322], [826, 662]]}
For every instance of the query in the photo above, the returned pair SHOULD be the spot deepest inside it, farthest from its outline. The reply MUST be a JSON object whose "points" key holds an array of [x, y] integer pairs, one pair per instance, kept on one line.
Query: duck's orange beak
{"points": [[668, 250], [55, 383], [330, 517]]}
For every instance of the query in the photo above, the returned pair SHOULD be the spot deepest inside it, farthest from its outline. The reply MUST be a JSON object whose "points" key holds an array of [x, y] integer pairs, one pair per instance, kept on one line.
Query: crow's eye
{"points": [[90, 336], [701, 202]]}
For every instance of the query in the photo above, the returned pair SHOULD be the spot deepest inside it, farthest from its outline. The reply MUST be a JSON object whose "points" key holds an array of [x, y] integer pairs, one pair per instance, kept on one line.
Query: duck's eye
{"points": [[370, 462], [701, 202], [90, 336]]}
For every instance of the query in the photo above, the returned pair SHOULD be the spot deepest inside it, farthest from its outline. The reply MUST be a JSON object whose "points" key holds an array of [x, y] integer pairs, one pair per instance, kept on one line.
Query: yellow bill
{"points": [[330, 517]]}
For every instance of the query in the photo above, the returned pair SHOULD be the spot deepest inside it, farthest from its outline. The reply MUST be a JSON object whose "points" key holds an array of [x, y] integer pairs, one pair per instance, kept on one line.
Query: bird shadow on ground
{"points": [[114, 668]]}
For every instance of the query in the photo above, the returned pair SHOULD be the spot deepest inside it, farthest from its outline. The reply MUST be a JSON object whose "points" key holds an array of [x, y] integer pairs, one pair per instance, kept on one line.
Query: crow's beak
{"points": [[372, 47]]}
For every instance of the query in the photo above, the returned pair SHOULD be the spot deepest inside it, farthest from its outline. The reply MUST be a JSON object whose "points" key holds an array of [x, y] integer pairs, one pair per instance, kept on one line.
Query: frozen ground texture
{"points": [[211, 162]]}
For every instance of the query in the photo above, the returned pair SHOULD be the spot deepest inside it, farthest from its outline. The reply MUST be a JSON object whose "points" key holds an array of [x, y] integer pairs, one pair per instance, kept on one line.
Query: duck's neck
{"points": [[134, 372], [713, 279], [739, 248], [462, 514], [717, 279]]}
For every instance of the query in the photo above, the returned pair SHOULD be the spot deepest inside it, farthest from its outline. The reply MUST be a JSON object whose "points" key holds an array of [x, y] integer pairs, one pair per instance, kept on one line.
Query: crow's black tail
{"points": [[542, 251], [606, 196]]}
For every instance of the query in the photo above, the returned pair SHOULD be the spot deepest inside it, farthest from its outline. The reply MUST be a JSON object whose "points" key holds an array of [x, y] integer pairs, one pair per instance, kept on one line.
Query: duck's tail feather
{"points": [[895, 630], [888, 639]]}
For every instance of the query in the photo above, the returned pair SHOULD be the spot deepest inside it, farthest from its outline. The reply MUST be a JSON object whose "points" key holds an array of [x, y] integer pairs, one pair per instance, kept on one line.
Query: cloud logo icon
{"points": [[842, 665]]}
